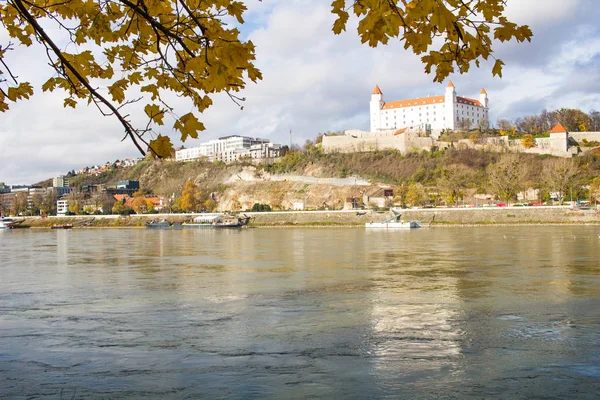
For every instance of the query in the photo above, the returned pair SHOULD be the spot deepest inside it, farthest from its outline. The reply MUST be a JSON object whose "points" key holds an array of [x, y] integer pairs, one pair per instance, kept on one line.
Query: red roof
{"points": [[399, 131], [558, 128], [377, 90], [413, 102], [483, 91], [466, 100], [450, 84]]}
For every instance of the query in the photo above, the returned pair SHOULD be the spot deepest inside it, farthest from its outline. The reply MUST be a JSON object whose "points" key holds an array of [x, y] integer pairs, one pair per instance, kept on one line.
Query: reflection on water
{"points": [[294, 313]]}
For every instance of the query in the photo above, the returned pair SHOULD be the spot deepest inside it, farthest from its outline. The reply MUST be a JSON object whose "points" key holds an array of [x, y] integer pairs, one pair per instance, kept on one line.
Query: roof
{"points": [[376, 90], [483, 91], [558, 128], [450, 84], [466, 100], [399, 131], [413, 102]]}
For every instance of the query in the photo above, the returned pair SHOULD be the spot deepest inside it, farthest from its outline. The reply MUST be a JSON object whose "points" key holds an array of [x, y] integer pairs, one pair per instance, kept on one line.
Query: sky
{"points": [[315, 82]]}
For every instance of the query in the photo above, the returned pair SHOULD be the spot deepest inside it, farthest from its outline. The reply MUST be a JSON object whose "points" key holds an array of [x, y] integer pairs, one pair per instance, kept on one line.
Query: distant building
{"points": [[4, 188], [60, 181], [231, 148], [131, 185], [62, 206]]}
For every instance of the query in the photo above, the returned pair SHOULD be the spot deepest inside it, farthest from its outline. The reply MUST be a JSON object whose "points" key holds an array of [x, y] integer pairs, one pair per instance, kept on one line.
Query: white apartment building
{"points": [[230, 148], [62, 206], [434, 112]]}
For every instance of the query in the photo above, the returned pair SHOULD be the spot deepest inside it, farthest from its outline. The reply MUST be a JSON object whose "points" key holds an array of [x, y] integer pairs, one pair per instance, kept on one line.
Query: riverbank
{"points": [[432, 217]]}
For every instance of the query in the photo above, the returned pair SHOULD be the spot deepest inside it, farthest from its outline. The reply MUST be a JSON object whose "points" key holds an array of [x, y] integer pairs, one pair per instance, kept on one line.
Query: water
{"points": [[301, 313]]}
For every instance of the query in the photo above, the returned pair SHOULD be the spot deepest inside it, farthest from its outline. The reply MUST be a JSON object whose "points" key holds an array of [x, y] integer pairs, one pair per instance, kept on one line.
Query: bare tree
{"points": [[506, 176], [464, 124], [454, 181], [558, 174]]}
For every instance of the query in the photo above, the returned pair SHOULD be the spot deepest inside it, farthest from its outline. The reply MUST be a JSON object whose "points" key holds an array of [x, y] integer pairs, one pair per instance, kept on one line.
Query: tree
{"points": [[504, 126], [118, 207], [464, 125], [595, 190], [453, 181], [506, 176], [528, 141], [557, 174], [189, 198], [415, 194], [20, 203], [141, 205], [193, 49]]}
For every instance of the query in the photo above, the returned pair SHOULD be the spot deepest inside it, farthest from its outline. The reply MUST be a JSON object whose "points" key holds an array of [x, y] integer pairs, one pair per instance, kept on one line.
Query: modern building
{"points": [[130, 185], [62, 206], [433, 113], [231, 148], [60, 181]]}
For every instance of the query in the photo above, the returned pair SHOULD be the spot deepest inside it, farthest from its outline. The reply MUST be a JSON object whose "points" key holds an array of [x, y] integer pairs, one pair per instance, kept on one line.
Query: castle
{"points": [[434, 113]]}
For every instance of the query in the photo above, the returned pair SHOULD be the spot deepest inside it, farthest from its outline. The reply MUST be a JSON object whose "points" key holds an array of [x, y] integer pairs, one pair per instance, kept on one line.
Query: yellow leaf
{"points": [[161, 147], [497, 70], [70, 103], [155, 113], [188, 125]]}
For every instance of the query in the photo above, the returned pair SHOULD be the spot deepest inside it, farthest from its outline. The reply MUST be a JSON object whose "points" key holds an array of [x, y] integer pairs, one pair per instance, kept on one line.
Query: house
{"points": [[378, 197]]}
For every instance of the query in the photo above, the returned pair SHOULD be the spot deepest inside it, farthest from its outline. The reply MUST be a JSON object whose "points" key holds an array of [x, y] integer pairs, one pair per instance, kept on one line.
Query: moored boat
{"points": [[162, 224], [218, 221], [6, 223], [61, 226], [395, 222]]}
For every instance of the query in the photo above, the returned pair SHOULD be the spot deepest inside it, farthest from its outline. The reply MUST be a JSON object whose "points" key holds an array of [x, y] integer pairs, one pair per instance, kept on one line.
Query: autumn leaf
{"points": [[161, 147]]}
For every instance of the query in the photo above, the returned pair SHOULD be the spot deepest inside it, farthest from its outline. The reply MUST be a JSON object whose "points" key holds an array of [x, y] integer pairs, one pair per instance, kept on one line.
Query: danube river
{"points": [[467, 313]]}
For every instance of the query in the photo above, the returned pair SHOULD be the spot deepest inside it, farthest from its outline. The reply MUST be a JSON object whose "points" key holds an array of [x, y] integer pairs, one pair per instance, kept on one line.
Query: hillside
{"points": [[446, 175]]}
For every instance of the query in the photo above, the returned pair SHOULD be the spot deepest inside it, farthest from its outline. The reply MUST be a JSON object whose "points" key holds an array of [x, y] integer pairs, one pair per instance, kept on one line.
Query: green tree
{"points": [[192, 49]]}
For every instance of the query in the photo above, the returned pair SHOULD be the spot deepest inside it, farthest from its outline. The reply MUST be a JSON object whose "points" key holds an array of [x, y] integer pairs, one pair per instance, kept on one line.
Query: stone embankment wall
{"points": [[432, 216]]}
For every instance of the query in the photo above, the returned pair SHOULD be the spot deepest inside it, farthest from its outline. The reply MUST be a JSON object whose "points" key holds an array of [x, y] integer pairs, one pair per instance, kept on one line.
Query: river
{"points": [[467, 313]]}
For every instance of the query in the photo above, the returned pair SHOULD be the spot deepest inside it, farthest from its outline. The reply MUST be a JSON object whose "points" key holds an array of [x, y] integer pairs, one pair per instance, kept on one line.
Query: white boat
{"points": [[394, 222], [6, 223]]}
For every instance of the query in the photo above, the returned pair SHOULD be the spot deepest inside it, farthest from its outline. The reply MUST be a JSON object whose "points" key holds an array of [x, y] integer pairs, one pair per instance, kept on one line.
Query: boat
{"points": [[6, 223], [162, 224], [395, 222], [61, 226], [217, 221]]}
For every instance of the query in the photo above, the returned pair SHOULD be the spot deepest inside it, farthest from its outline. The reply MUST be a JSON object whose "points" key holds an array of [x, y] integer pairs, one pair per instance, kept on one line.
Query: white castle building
{"points": [[435, 113]]}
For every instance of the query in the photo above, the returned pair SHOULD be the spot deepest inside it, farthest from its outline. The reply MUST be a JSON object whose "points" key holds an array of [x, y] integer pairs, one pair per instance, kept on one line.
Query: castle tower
{"points": [[450, 111], [376, 105], [483, 99]]}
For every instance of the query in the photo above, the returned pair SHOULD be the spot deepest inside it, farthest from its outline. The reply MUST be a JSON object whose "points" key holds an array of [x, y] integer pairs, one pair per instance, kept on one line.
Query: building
{"points": [[433, 113], [231, 148], [60, 182], [129, 185], [62, 206]]}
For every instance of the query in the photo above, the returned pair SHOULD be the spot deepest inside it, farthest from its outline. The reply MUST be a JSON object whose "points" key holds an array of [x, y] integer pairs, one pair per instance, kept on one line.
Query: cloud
{"points": [[315, 81]]}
